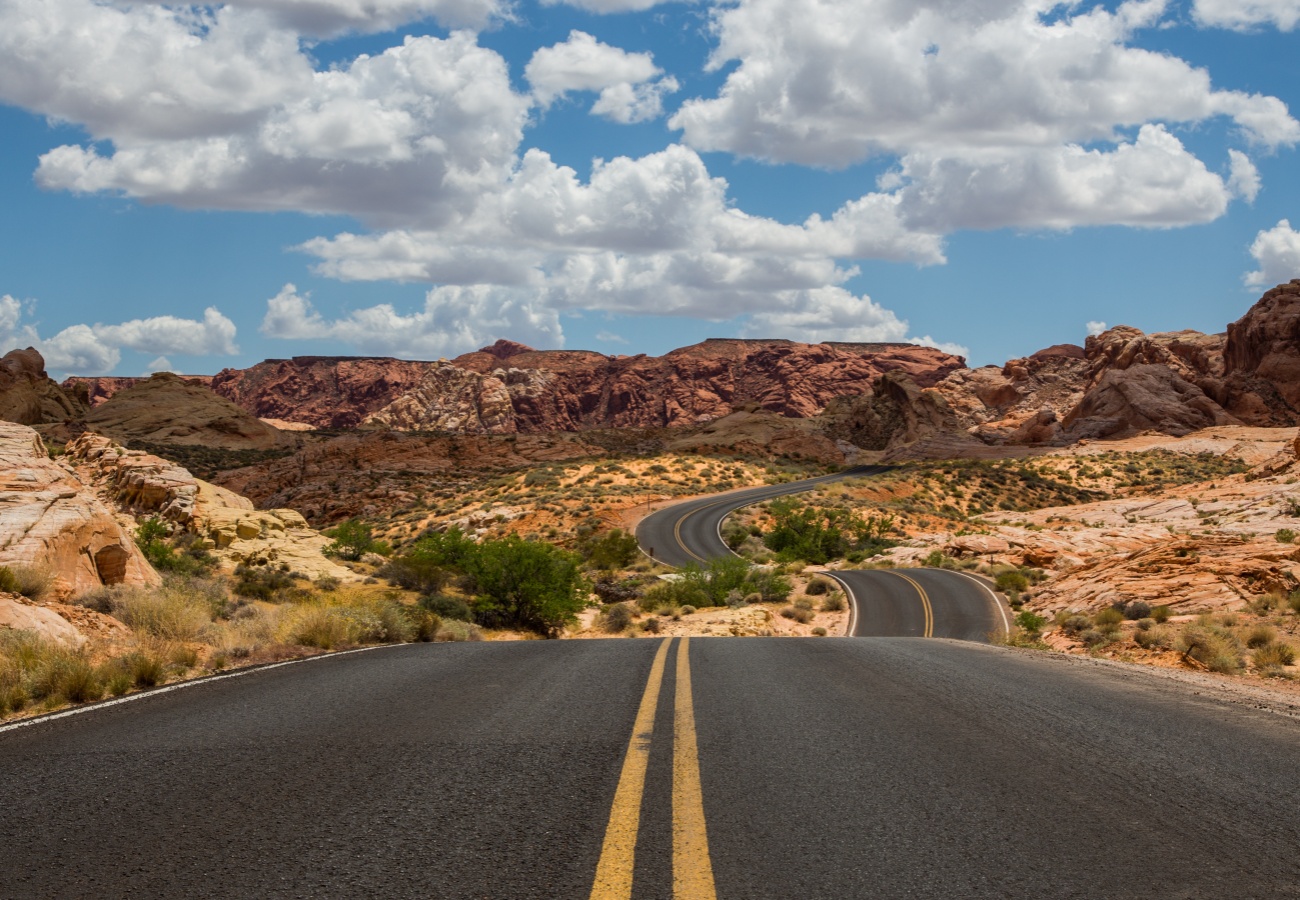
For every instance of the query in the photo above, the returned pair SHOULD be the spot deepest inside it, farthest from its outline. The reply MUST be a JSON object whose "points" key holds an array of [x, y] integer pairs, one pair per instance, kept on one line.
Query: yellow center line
{"points": [[692, 867], [925, 604], [617, 854]]}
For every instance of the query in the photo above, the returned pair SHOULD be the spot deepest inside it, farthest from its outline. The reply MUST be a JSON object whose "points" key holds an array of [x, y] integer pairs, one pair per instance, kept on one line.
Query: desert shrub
{"points": [[802, 616], [819, 631], [318, 625], [818, 586], [687, 610], [614, 549], [458, 631], [30, 581], [1075, 624], [1157, 638], [1213, 647], [1293, 601], [803, 603], [424, 624], [1011, 581], [526, 584], [1031, 623], [270, 583], [352, 540], [1285, 536], [833, 602], [186, 554], [1161, 614], [145, 667], [674, 593], [1095, 637], [616, 618], [447, 607], [1108, 619], [770, 585], [1260, 636], [1145, 624], [820, 534], [1138, 609], [651, 626], [415, 572], [937, 559], [170, 612], [1271, 658]]}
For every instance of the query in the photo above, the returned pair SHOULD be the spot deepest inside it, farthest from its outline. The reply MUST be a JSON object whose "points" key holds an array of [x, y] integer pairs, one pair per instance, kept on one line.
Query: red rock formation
{"points": [[28, 396], [101, 388], [523, 390], [509, 387], [323, 391], [1262, 358]]}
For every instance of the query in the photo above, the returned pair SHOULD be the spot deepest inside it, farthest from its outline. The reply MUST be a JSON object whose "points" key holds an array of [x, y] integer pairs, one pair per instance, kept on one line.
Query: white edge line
{"points": [[1006, 624], [853, 602], [168, 688]]}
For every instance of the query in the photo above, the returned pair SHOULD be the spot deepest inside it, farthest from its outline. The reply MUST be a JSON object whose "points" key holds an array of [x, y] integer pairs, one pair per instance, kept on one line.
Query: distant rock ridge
{"points": [[509, 387]]}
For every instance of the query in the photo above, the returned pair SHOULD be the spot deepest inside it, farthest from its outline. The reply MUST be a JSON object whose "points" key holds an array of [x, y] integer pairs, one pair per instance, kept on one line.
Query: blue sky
{"points": [[201, 187]]}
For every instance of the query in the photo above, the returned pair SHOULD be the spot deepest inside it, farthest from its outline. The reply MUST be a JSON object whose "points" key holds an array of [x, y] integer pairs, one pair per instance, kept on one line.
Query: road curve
{"points": [[922, 603], [886, 603], [689, 532], [828, 768]]}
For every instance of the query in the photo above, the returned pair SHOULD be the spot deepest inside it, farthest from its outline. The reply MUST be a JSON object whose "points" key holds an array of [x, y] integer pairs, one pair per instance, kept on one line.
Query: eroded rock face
{"points": [[51, 519], [29, 397], [1262, 355], [509, 388], [167, 409], [322, 391], [143, 485]]}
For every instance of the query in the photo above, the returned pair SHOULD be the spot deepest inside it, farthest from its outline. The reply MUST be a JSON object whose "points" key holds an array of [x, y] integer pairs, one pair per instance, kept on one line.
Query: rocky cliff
{"points": [[51, 520], [510, 388], [322, 391], [28, 396]]}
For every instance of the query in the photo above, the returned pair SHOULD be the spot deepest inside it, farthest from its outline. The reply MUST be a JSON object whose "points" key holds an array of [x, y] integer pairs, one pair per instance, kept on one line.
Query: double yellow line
{"points": [[692, 867], [925, 604]]}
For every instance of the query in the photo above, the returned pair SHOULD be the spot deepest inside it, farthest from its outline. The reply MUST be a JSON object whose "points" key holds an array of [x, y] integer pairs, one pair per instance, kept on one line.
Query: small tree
{"points": [[616, 549], [353, 539], [526, 584]]}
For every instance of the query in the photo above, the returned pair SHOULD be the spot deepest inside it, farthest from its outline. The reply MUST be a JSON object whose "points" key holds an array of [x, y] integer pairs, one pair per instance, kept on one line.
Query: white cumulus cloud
{"points": [[626, 81], [97, 349], [1095, 327], [416, 133], [452, 321], [1277, 252], [1241, 15], [1152, 182], [612, 6]]}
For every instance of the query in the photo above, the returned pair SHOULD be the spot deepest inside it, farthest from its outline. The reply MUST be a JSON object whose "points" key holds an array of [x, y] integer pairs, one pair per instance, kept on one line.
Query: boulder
{"points": [[52, 520]]}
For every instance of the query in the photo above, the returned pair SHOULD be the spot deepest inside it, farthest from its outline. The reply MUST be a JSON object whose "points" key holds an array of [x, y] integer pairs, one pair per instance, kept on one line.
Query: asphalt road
{"points": [[689, 532], [922, 603], [894, 603], [826, 768]]}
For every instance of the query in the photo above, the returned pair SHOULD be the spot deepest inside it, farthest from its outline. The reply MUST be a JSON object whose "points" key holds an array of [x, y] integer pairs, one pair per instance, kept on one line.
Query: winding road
{"points": [[886, 603], [690, 769]]}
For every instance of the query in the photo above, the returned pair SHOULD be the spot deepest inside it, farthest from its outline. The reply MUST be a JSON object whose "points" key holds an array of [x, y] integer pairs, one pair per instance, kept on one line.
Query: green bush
{"points": [[447, 607], [1211, 646], [1012, 581], [525, 584], [185, 555], [1161, 614], [615, 549], [1030, 622], [416, 571], [353, 539], [818, 586], [833, 602], [268, 583]]}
